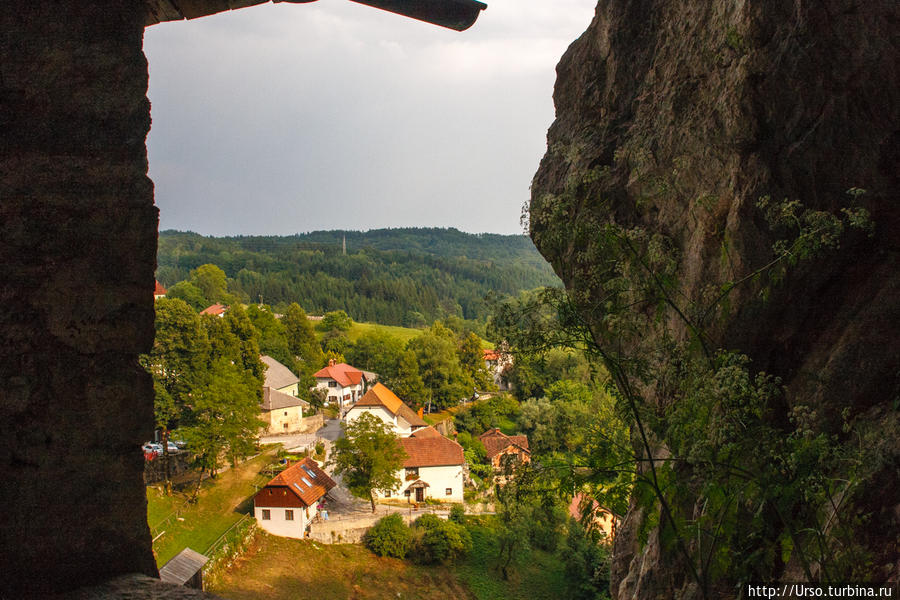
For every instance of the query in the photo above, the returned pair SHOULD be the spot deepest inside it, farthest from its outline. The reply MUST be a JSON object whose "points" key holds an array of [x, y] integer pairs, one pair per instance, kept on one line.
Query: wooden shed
{"points": [[185, 569]]}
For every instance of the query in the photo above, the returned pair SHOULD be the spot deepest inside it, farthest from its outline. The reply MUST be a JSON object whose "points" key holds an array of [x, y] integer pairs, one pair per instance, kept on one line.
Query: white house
{"points": [[279, 377], [384, 404], [498, 363], [289, 502], [433, 469], [344, 384]]}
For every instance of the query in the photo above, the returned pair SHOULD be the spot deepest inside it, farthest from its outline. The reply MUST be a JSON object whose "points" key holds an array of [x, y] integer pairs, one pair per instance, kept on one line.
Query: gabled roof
{"points": [[424, 449], [495, 441], [277, 375], [304, 479], [380, 395], [274, 400], [160, 291], [216, 310], [343, 373], [490, 355]]}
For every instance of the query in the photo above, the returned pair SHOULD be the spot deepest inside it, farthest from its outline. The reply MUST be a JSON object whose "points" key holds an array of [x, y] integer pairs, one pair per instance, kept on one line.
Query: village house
{"points": [[583, 506], [281, 412], [502, 448], [159, 291], [216, 310], [343, 383], [384, 404], [289, 503], [498, 363], [433, 468], [279, 377]]}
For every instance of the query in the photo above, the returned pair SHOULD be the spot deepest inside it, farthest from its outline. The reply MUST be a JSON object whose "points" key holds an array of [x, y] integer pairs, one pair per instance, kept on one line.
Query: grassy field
{"points": [[404, 333], [533, 573], [281, 568], [222, 502]]}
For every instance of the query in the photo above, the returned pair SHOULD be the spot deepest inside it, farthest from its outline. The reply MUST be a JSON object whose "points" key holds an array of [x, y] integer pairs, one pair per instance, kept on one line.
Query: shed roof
{"points": [[273, 400], [277, 375], [182, 567]]}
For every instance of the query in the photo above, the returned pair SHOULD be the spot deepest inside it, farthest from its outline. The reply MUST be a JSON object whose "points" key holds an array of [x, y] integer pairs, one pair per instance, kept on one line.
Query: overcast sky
{"points": [[287, 118]]}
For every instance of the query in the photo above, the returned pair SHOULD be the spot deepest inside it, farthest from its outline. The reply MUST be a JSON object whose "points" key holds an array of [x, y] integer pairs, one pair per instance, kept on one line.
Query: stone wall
{"points": [[77, 259]]}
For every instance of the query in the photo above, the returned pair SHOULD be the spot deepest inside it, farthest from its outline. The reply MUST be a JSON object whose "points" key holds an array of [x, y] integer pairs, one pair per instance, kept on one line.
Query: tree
{"points": [[336, 319], [190, 293], [368, 457], [397, 368], [301, 338], [439, 366], [407, 383], [272, 335], [210, 280], [224, 416], [471, 358], [177, 363]]}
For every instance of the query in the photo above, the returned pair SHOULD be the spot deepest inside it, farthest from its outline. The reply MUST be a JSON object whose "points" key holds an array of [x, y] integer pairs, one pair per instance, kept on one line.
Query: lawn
{"points": [[221, 504], [282, 568], [404, 333]]}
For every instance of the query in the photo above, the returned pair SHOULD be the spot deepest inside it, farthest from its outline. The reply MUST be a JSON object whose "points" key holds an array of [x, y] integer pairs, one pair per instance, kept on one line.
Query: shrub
{"points": [[389, 537], [438, 541], [457, 513]]}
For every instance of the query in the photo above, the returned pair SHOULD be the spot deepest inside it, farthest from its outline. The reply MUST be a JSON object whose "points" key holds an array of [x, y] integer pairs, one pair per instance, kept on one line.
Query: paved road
{"points": [[331, 431]]}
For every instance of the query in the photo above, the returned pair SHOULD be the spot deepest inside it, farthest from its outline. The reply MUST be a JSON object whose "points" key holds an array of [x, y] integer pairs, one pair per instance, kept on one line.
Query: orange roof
{"points": [[305, 479], [424, 449], [380, 395], [160, 290], [490, 355], [343, 373], [495, 441], [215, 310]]}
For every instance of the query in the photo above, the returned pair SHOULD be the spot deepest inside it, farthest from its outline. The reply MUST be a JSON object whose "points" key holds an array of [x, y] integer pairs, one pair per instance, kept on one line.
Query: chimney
{"points": [[330, 362], [421, 412]]}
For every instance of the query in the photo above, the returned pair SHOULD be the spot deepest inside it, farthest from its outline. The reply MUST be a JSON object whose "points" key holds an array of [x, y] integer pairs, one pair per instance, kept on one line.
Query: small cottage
{"points": [[384, 404], [290, 502], [343, 383], [502, 448]]}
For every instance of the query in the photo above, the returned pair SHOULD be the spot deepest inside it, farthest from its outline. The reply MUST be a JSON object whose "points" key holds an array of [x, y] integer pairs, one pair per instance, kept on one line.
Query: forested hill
{"points": [[390, 276]]}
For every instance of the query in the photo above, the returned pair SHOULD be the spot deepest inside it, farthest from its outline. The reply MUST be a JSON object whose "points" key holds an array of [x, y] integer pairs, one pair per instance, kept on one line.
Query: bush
{"points": [[438, 541], [457, 513], [389, 537]]}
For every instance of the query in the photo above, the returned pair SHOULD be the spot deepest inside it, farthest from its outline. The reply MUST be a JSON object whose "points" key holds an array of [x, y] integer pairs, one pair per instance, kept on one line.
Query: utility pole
{"points": [[345, 245]]}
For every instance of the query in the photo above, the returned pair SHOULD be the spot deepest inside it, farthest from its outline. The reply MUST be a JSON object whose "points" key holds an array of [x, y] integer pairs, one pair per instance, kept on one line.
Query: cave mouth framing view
{"points": [[738, 164]]}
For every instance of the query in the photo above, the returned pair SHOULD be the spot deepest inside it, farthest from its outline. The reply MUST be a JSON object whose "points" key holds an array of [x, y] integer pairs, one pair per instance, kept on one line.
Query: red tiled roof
{"points": [[427, 450], [380, 395], [495, 441], [160, 290], [304, 479], [214, 310], [343, 373], [490, 355]]}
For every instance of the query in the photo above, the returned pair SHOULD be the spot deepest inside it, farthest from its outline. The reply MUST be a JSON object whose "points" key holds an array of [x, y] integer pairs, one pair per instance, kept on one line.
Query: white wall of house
{"points": [[291, 390], [378, 411], [279, 524], [439, 480], [338, 393]]}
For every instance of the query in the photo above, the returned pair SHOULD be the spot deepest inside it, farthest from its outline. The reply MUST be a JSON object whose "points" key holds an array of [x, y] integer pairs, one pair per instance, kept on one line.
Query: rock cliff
{"points": [[676, 117]]}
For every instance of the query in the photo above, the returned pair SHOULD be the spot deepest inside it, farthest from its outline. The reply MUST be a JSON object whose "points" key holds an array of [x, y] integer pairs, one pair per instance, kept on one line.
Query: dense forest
{"points": [[392, 276]]}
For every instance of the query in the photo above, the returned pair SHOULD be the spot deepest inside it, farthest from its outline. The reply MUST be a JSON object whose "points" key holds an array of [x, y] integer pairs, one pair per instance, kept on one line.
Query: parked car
{"points": [[180, 444], [152, 448], [173, 447]]}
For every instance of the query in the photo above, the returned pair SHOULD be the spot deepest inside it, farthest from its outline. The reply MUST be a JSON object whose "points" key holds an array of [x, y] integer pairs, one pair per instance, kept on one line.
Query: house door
{"points": [[420, 494]]}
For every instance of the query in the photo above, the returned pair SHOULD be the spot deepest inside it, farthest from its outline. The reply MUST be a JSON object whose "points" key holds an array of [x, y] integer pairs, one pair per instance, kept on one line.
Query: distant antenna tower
{"points": [[345, 244]]}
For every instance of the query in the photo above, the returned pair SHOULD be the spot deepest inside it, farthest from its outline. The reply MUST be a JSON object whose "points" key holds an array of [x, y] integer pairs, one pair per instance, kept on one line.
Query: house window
{"points": [[387, 494], [285, 425], [285, 413], [406, 493], [267, 514], [412, 473], [288, 515], [332, 384], [449, 491], [332, 398]]}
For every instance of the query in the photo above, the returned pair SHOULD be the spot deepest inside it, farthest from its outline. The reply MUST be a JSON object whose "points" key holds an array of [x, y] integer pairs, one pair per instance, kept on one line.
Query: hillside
{"points": [[392, 276]]}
